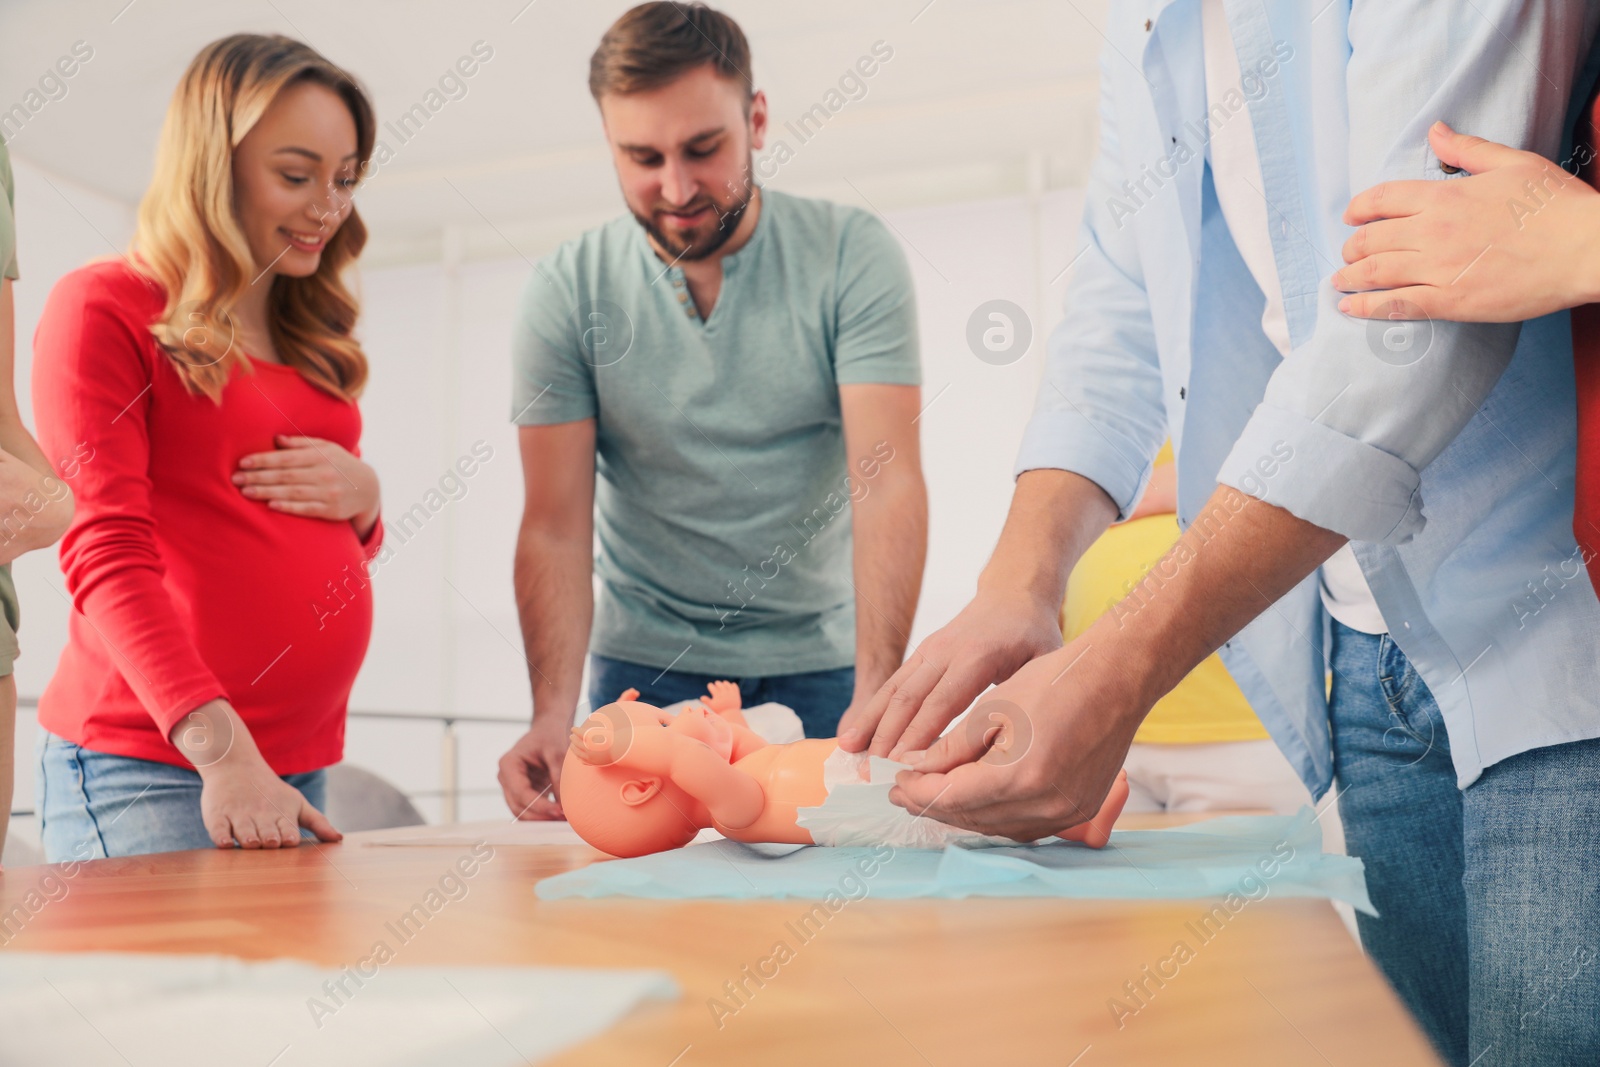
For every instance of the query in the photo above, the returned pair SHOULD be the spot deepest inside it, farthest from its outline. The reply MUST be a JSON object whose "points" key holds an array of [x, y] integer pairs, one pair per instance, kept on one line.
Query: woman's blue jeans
{"points": [[94, 804]]}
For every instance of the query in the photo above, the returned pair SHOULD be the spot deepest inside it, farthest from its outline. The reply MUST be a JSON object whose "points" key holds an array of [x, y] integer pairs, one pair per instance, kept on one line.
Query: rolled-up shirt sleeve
{"points": [[1099, 411], [1366, 405]]}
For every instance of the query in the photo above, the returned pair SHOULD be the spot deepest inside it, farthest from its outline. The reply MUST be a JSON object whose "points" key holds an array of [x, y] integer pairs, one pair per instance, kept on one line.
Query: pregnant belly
{"points": [[286, 621]]}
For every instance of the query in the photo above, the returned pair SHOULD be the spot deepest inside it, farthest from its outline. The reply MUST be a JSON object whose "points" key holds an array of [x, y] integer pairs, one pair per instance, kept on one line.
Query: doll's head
{"points": [[614, 804]]}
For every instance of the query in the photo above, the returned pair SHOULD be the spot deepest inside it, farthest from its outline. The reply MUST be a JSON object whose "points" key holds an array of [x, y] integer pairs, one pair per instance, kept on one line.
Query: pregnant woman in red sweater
{"points": [[205, 388]]}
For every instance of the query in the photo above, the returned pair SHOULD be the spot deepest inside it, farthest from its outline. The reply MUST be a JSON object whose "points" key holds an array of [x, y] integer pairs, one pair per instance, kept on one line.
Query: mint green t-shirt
{"points": [[9, 611], [722, 499]]}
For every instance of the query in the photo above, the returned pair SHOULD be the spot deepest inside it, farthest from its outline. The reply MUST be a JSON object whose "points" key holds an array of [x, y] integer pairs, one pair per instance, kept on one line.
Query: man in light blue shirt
{"points": [[1463, 732]]}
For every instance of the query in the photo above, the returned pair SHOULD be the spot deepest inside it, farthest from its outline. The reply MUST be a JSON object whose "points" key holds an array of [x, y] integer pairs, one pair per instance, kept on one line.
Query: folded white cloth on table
{"points": [[88, 1009]]}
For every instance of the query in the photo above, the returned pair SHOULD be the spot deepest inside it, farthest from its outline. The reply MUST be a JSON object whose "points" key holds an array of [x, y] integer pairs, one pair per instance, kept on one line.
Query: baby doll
{"points": [[638, 779]]}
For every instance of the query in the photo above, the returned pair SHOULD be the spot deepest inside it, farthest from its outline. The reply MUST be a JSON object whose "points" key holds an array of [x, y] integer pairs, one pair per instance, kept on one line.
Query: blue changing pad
{"points": [[1248, 855]]}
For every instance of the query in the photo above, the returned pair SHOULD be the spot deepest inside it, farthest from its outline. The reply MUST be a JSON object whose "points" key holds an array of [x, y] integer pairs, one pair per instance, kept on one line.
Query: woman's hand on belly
{"points": [[241, 799], [314, 477]]}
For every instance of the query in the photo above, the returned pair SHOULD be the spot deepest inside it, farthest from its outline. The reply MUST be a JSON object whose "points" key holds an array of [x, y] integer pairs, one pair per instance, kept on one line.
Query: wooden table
{"points": [[937, 982]]}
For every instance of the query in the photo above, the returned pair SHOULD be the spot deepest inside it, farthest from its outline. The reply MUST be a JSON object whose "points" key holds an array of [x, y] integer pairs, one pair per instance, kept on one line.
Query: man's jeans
{"points": [[1488, 899], [94, 804], [818, 697]]}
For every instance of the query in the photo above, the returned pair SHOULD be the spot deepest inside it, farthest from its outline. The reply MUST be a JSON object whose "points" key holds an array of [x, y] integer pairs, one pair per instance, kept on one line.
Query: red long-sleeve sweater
{"points": [[184, 589]]}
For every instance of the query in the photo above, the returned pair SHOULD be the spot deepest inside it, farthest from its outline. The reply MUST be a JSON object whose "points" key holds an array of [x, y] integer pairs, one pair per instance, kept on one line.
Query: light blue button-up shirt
{"points": [[1444, 451]]}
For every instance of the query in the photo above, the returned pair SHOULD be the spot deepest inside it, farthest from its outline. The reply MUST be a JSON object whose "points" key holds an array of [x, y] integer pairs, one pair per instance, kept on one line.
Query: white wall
{"points": [[438, 335]]}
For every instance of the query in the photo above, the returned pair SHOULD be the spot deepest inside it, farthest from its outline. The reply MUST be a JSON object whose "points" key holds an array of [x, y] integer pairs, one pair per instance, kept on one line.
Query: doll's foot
{"points": [[1097, 831]]}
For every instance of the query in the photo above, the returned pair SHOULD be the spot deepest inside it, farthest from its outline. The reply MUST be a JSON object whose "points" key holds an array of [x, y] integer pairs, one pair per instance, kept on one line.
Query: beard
{"points": [[706, 237]]}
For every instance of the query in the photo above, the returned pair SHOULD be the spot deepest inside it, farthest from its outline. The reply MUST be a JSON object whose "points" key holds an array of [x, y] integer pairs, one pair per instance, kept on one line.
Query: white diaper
{"points": [[858, 811]]}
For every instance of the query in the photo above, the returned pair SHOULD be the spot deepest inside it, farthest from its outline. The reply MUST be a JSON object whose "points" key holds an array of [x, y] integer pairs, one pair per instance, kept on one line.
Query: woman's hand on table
{"points": [[241, 799], [530, 773], [1518, 239], [313, 477]]}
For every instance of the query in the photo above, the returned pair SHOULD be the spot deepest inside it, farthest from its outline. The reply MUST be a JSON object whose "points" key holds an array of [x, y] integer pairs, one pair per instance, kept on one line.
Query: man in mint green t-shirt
{"points": [[721, 389]]}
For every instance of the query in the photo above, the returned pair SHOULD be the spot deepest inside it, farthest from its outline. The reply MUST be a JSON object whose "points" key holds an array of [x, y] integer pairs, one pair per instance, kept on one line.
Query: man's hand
{"points": [[1055, 516], [992, 637], [1067, 718], [1518, 239], [530, 773], [1064, 731]]}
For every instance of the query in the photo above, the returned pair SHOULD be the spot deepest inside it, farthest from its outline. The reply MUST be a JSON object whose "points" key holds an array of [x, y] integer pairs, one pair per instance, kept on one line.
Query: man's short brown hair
{"points": [[654, 44]]}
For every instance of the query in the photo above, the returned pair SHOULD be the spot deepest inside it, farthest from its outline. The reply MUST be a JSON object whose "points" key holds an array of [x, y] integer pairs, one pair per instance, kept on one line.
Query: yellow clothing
{"points": [[1206, 706]]}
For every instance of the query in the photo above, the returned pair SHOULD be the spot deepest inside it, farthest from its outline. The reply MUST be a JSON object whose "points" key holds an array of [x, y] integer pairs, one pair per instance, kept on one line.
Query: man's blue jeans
{"points": [[94, 804], [818, 697], [1488, 898]]}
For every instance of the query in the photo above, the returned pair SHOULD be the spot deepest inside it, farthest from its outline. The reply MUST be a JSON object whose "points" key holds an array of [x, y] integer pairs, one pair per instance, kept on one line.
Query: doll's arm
{"points": [[723, 699], [733, 798]]}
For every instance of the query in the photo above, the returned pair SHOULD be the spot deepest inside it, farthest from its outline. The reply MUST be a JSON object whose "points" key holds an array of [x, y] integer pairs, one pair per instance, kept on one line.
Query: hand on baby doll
{"points": [[639, 779]]}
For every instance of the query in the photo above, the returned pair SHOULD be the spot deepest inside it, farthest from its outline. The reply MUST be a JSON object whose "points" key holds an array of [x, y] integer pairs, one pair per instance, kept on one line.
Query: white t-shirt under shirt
{"points": [[1236, 174]]}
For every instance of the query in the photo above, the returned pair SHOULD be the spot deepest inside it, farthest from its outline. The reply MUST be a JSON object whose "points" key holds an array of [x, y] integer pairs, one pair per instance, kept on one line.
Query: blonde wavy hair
{"points": [[188, 239]]}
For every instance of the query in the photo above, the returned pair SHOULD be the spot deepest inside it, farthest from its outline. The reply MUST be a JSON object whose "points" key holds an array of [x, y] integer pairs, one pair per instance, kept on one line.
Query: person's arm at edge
{"points": [[1357, 425], [553, 575], [889, 517], [1476, 249], [44, 527]]}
